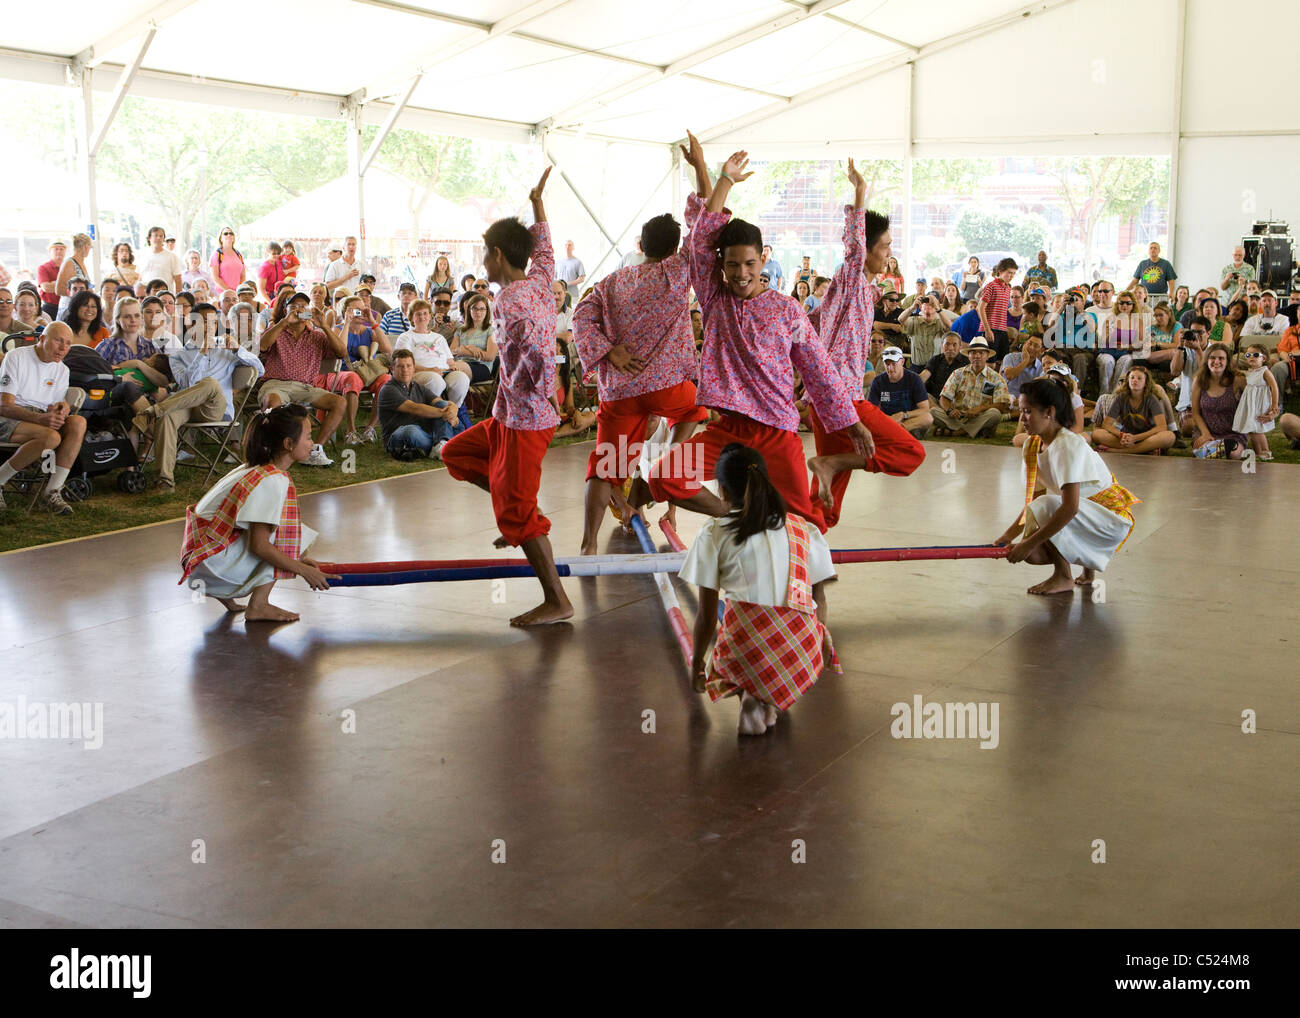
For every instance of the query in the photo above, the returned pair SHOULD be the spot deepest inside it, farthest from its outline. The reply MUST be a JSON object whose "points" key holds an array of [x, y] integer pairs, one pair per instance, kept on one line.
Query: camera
{"points": [[356, 312], [305, 315]]}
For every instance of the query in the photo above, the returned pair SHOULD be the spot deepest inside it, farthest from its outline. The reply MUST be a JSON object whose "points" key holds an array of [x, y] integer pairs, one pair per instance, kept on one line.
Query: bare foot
{"points": [[231, 605], [1086, 578], [770, 714], [270, 613], [500, 542], [1054, 584], [700, 682], [825, 475], [589, 549], [751, 716], [544, 614]]}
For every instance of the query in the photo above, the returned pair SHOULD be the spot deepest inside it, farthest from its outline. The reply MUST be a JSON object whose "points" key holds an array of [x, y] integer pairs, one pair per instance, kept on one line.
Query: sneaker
{"points": [[436, 452], [1264, 457], [52, 502], [184, 457], [368, 434], [352, 438], [318, 457], [3, 507], [161, 483]]}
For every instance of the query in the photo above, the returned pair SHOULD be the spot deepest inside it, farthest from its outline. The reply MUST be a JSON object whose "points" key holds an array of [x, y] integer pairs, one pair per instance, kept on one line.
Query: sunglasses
{"points": [[442, 303], [1253, 353], [480, 286]]}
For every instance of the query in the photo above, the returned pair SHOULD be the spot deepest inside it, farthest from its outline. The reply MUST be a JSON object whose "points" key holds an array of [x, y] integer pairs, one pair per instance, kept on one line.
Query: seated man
{"points": [[292, 350], [968, 324], [395, 320], [975, 397], [1023, 366], [410, 415], [925, 329], [203, 381], [901, 394], [35, 415], [434, 366], [939, 368], [887, 313]]}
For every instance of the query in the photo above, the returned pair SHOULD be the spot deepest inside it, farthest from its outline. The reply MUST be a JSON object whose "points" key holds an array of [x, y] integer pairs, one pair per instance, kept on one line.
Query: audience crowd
{"points": [[1153, 365]]}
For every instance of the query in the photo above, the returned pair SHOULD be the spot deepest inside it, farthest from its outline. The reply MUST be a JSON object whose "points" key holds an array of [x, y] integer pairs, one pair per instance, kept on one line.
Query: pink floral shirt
{"points": [[524, 317], [849, 307], [752, 347], [648, 308]]}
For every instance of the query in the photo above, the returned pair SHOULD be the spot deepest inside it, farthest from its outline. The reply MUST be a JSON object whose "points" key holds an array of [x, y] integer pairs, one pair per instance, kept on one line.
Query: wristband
{"points": [[724, 173]]}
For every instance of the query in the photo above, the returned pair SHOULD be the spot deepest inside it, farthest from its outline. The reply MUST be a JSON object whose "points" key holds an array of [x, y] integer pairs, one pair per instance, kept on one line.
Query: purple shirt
{"points": [[524, 317], [752, 347]]}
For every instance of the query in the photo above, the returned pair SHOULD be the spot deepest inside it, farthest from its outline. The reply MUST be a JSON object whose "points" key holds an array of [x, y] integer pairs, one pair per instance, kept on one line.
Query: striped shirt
{"points": [[395, 323]]}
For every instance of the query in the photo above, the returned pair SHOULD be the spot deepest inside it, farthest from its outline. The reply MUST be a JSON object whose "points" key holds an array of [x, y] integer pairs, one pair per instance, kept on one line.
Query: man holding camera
{"points": [[924, 328], [1236, 274], [292, 350]]}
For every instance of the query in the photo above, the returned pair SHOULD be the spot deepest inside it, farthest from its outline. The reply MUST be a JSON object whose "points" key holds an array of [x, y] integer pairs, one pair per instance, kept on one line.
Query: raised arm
{"points": [[733, 172], [542, 270], [693, 153]]}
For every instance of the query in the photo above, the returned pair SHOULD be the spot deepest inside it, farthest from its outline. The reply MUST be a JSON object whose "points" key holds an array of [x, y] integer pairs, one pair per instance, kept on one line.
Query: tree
{"points": [[1095, 187], [1023, 233]]}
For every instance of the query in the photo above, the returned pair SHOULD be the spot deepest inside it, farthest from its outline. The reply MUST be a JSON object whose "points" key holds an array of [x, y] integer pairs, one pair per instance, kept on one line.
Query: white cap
{"points": [[891, 353]]}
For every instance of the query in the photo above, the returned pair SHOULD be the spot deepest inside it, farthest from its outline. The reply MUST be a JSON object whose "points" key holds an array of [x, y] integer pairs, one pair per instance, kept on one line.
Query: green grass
{"points": [[109, 509]]}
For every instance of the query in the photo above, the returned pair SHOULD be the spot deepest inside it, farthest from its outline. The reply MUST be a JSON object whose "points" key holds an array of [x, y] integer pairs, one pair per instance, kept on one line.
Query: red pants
{"points": [[510, 461], [897, 452], [621, 426], [680, 473]]}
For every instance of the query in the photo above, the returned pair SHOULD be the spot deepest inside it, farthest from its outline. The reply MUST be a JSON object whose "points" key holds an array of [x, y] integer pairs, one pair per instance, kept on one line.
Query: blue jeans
{"points": [[423, 436]]}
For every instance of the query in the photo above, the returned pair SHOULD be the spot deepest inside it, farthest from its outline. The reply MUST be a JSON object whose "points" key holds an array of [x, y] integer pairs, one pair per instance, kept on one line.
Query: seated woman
{"points": [[435, 367], [1215, 395], [472, 344], [131, 356], [1084, 516], [1157, 346], [86, 319], [366, 347], [572, 420], [1136, 420], [245, 533]]}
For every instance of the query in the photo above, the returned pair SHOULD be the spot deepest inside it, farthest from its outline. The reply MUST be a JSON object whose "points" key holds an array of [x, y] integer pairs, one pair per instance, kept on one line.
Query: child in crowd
{"points": [[245, 533], [1084, 517], [289, 261], [1259, 404], [1135, 420], [773, 565], [503, 454]]}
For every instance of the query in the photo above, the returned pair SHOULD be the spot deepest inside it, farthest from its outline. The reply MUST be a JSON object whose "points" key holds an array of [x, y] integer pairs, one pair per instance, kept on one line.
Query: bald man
{"points": [[35, 416]]}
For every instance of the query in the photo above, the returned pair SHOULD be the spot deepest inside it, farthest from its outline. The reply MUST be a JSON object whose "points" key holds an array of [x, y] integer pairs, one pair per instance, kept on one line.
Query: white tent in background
{"points": [[396, 210]]}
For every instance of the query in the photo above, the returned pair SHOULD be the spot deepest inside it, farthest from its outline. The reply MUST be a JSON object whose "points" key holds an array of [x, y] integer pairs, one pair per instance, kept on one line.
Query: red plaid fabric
{"points": [[205, 538], [773, 653]]}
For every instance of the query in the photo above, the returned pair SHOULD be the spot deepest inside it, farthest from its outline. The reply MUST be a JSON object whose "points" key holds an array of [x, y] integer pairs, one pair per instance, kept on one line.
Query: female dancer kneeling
{"points": [[244, 534], [774, 642], [1084, 518]]}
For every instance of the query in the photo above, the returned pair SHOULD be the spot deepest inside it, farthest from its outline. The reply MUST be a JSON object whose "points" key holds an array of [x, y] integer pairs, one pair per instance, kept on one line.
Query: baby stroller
{"points": [[106, 446]]}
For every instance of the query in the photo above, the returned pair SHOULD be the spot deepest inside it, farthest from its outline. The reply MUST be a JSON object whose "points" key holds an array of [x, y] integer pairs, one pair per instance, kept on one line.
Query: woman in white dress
{"points": [[1084, 517], [244, 534]]}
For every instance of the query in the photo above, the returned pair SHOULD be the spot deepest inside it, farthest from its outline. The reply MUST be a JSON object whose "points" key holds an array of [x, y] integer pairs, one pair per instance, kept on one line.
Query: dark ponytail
{"points": [[756, 504], [268, 431], [1051, 392]]}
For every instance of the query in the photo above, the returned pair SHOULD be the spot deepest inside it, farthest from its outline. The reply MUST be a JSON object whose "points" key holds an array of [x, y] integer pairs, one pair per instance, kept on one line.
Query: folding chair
{"points": [[482, 395], [199, 437]]}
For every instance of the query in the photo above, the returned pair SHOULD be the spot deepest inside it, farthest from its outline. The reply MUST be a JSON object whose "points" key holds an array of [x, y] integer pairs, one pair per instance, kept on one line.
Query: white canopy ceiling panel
{"points": [[869, 114], [657, 34], [1264, 98], [516, 80], [486, 11], [69, 28], [919, 24], [1098, 77], [798, 57], [664, 111], [297, 43]]}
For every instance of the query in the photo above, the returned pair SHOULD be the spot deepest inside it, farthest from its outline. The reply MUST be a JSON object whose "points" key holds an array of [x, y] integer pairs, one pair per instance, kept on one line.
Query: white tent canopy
{"points": [[593, 80]]}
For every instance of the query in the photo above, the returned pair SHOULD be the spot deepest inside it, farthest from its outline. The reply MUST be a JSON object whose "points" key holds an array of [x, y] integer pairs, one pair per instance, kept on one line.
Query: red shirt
{"points": [[47, 274], [997, 295], [271, 274], [296, 360]]}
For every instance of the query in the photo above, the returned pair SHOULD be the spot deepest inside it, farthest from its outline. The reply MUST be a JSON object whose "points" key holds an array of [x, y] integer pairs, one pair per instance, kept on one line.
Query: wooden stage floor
{"points": [[1119, 721]]}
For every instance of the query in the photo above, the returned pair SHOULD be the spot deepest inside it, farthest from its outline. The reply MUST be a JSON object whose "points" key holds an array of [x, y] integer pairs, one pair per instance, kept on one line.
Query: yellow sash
{"points": [[1116, 498]]}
